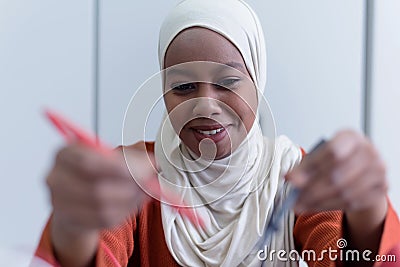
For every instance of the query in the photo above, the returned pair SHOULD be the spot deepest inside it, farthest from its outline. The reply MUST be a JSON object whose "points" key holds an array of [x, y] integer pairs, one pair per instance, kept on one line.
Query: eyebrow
{"points": [[236, 65], [182, 71]]}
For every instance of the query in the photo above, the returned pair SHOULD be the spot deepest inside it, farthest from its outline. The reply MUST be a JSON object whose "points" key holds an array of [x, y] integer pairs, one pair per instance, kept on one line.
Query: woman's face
{"points": [[214, 103]]}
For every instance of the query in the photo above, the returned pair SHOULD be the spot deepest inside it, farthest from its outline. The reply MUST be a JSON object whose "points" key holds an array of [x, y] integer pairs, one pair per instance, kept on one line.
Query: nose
{"points": [[206, 102]]}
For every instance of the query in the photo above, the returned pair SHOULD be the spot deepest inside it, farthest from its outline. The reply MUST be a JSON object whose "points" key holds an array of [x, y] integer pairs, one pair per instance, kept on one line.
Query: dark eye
{"points": [[228, 83], [183, 87]]}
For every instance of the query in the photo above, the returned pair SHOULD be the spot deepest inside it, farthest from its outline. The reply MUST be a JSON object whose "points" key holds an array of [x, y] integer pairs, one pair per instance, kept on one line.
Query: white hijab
{"points": [[237, 205]]}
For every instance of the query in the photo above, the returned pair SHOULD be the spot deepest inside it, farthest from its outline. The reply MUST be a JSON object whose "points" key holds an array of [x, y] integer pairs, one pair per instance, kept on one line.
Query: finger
{"points": [[315, 192], [98, 195], [98, 211], [74, 215], [76, 190], [310, 167], [328, 183], [90, 162], [364, 194], [332, 153], [354, 195]]}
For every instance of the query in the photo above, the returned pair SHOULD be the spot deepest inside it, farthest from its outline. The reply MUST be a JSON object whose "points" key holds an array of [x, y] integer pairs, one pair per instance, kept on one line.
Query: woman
{"points": [[343, 183]]}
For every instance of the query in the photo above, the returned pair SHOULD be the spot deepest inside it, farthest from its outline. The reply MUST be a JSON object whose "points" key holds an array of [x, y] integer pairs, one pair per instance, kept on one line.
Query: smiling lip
{"points": [[215, 132]]}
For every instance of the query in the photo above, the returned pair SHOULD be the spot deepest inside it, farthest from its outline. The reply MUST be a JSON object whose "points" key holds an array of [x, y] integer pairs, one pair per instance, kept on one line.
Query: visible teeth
{"points": [[212, 132]]}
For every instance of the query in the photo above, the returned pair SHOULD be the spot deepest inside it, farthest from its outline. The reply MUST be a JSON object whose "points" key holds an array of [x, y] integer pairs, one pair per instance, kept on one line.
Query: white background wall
{"points": [[315, 82], [45, 61], [385, 83]]}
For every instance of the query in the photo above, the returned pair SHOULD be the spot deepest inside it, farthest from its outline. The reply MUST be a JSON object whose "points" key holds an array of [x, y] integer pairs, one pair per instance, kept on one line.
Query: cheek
{"points": [[170, 102], [177, 111], [245, 108]]}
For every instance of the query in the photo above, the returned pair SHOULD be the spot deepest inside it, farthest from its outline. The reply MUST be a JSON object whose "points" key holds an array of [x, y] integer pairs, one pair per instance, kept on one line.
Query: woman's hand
{"points": [[345, 173], [91, 191]]}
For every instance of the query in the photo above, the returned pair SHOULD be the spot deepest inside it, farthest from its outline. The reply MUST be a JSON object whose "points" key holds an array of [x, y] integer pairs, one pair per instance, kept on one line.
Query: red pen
{"points": [[72, 133]]}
